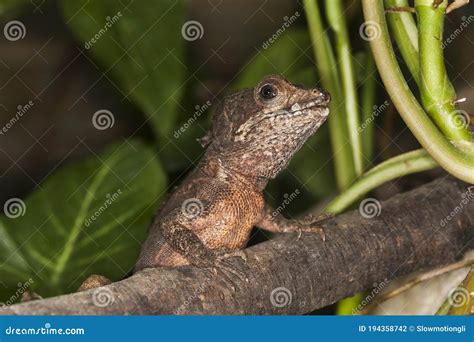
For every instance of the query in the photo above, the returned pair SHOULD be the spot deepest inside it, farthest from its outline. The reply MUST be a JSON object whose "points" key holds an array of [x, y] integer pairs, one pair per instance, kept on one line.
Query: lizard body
{"points": [[254, 134]]}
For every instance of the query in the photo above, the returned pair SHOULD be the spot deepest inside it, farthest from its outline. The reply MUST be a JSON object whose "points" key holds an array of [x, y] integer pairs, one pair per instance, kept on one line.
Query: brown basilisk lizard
{"points": [[253, 135]]}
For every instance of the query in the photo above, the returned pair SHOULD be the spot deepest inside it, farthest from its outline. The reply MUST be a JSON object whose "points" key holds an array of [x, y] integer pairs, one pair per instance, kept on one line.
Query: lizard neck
{"points": [[217, 166]]}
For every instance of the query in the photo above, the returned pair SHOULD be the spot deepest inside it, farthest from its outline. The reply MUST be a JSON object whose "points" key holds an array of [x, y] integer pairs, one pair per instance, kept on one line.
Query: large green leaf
{"points": [[140, 43], [86, 218]]}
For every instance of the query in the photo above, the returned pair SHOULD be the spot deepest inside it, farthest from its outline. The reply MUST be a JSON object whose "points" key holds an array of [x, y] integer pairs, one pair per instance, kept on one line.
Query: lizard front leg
{"points": [[184, 241], [274, 222]]}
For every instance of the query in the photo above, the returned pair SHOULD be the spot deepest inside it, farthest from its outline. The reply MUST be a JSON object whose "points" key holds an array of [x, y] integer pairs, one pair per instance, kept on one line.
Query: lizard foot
{"points": [[222, 261], [313, 219], [226, 253], [227, 268], [309, 224], [312, 229], [216, 261]]}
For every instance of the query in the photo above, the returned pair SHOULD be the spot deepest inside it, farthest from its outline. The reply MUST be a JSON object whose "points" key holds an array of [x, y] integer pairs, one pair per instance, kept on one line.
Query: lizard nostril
{"points": [[326, 96], [322, 94]]}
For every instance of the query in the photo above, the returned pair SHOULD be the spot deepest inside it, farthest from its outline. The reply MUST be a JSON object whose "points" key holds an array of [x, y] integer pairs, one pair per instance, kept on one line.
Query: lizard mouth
{"points": [[298, 107], [321, 101]]}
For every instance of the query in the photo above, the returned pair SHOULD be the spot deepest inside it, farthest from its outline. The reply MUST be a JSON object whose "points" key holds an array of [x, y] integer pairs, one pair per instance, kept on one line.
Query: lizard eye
{"points": [[268, 92]]}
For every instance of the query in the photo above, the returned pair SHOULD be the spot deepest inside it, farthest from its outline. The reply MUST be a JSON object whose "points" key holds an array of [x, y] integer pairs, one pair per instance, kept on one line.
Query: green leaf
{"points": [[141, 46], [87, 218]]}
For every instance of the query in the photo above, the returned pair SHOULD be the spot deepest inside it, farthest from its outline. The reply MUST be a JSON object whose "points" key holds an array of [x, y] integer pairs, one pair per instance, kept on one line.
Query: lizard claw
{"points": [[226, 253], [218, 260], [226, 268], [313, 219], [221, 261], [308, 224], [312, 229]]}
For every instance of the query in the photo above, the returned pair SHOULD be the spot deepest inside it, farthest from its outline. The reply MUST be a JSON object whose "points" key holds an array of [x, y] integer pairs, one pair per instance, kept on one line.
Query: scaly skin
{"points": [[254, 134]]}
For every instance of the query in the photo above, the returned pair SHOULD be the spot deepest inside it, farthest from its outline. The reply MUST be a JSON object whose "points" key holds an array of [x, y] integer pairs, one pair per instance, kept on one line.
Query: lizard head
{"points": [[257, 131]]}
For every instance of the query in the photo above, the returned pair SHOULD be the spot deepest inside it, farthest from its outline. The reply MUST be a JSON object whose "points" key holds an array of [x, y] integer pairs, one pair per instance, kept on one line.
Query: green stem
{"points": [[325, 62], [456, 162], [404, 164], [368, 109], [437, 93], [403, 27], [337, 22]]}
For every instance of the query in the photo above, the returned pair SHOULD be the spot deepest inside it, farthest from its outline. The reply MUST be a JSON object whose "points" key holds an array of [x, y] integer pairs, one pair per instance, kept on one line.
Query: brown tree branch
{"points": [[287, 275]]}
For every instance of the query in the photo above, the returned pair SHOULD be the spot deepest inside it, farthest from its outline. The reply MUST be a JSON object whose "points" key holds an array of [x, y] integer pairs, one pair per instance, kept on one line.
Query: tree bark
{"points": [[291, 275]]}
